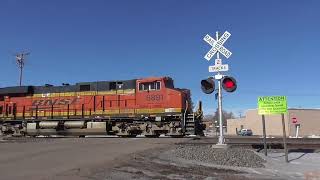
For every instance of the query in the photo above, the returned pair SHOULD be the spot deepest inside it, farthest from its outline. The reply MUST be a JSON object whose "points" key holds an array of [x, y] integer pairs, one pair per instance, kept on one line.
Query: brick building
{"points": [[299, 122]]}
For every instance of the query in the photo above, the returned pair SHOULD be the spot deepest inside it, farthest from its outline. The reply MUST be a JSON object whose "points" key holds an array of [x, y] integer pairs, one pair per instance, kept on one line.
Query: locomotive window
{"points": [[158, 84], [85, 87], [113, 85], [146, 86], [143, 86], [152, 86], [149, 86], [1, 109], [119, 85]]}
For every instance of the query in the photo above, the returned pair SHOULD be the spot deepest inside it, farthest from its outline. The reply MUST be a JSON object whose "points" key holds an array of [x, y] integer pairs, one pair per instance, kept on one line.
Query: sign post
{"points": [[268, 105], [264, 135], [284, 138]]}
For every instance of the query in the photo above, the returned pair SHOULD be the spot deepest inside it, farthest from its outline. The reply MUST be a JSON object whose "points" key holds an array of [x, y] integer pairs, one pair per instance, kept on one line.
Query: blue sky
{"points": [[275, 44]]}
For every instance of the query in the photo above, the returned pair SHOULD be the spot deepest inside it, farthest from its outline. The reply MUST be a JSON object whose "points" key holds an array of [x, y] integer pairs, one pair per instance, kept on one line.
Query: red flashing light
{"points": [[229, 84]]}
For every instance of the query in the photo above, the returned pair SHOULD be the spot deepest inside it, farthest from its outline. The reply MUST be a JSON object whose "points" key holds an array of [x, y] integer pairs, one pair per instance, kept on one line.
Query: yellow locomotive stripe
{"points": [[130, 112], [84, 93], [150, 111]]}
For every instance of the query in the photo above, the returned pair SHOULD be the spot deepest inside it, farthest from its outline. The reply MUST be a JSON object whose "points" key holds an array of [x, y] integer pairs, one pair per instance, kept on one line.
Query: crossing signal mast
{"points": [[228, 83], [20, 60]]}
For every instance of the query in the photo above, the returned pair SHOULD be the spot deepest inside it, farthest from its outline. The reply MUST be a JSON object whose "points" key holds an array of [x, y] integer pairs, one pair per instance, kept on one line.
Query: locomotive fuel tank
{"points": [[74, 124], [48, 124]]}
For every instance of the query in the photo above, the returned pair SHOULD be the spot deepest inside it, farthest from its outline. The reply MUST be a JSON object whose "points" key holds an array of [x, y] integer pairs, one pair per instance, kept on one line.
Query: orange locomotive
{"points": [[150, 107]]}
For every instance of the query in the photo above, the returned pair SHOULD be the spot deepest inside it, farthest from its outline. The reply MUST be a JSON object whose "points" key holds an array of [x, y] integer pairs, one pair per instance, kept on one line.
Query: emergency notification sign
{"points": [[272, 105]]}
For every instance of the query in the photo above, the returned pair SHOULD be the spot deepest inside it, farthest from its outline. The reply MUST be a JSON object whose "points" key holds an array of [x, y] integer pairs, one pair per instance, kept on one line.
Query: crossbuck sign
{"points": [[217, 45]]}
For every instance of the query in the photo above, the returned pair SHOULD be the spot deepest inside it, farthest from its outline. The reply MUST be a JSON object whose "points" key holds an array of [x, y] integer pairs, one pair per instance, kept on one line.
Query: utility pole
{"points": [[221, 137], [20, 60]]}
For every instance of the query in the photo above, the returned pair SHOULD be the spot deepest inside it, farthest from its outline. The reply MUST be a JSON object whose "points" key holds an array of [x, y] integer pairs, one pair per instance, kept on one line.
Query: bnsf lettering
{"points": [[37, 103], [51, 102], [64, 102]]}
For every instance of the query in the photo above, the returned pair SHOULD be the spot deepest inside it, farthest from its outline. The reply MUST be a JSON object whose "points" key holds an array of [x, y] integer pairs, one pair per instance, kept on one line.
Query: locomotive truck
{"points": [[147, 106]]}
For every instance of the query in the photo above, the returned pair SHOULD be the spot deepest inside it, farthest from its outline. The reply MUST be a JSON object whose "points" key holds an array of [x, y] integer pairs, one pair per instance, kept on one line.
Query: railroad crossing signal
{"points": [[217, 46], [227, 83]]}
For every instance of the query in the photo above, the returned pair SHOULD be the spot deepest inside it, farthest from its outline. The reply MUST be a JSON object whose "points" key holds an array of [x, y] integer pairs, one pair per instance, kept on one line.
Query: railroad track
{"points": [[244, 142], [257, 142]]}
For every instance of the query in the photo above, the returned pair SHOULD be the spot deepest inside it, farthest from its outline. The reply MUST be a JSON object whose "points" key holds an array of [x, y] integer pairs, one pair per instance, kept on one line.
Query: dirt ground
{"points": [[97, 158], [107, 158], [58, 158]]}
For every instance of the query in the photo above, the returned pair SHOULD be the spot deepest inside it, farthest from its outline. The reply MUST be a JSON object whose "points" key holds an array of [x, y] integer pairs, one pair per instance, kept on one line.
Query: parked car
{"points": [[245, 132]]}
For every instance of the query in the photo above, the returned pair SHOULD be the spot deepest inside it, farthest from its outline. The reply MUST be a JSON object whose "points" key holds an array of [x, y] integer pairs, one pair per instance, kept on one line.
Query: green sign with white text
{"points": [[272, 105]]}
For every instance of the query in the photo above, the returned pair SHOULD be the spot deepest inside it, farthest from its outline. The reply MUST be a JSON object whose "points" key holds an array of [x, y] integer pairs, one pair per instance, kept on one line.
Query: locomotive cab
{"points": [[150, 94], [158, 95]]}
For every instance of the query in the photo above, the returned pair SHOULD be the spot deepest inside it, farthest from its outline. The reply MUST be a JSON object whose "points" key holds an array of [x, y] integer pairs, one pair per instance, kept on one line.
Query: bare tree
{"points": [[225, 115]]}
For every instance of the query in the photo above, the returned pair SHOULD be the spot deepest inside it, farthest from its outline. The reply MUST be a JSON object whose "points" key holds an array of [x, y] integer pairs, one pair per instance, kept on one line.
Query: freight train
{"points": [[147, 106]]}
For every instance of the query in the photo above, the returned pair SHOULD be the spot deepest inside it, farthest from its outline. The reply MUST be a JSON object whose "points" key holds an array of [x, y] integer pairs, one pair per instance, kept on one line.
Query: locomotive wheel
{"points": [[152, 136], [177, 136], [127, 136]]}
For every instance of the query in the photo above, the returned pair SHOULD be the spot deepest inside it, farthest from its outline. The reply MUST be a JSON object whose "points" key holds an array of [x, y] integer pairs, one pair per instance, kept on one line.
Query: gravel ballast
{"points": [[227, 157]]}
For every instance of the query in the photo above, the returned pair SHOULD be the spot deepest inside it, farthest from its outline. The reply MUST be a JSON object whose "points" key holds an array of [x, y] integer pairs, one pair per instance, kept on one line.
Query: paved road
{"points": [[57, 158]]}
